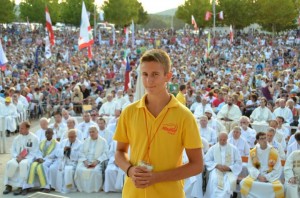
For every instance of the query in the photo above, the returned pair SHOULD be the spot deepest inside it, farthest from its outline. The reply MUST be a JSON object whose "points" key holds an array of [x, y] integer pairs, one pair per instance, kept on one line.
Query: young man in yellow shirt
{"points": [[157, 128], [181, 94]]}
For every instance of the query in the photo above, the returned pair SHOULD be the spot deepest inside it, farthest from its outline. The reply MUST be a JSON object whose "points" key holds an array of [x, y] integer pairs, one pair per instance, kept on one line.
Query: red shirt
{"points": [[216, 102]]}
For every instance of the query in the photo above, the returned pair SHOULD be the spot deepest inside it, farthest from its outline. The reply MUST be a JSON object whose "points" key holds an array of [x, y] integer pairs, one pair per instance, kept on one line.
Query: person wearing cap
{"points": [[9, 113], [214, 123], [200, 109], [292, 175]]}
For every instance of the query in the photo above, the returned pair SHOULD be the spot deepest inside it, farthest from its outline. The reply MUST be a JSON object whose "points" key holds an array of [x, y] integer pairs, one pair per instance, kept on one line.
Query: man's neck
{"points": [[155, 104], [263, 147]]}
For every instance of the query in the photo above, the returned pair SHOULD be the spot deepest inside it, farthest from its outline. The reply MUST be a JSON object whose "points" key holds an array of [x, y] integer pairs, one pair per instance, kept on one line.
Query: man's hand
{"points": [[262, 178], [141, 176], [293, 180], [86, 164], [19, 159], [223, 168]]}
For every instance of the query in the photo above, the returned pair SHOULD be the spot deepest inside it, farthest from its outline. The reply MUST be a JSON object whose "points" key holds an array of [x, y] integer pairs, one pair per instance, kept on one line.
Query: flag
{"points": [[127, 71], [132, 34], [207, 15], [221, 15], [99, 37], [194, 23], [126, 35], [85, 35], [3, 59], [114, 36], [101, 16], [231, 35], [49, 27], [48, 53]]}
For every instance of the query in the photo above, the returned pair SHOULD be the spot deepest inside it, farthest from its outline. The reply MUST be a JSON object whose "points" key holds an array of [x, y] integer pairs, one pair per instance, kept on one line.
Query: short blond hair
{"points": [[159, 56]]}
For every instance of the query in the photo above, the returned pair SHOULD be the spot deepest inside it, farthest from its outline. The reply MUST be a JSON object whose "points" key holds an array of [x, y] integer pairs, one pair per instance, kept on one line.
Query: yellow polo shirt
{"points": [[181, 98], [175, 128]]}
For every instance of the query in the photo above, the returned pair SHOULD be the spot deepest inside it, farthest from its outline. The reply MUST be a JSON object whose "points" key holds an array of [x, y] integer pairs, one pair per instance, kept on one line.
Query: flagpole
{"points": [[95, 19], [214, 13]]}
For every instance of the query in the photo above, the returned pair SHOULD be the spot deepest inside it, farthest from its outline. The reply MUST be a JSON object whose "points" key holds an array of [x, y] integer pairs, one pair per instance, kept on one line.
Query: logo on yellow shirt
{"points": [[170, 128]]}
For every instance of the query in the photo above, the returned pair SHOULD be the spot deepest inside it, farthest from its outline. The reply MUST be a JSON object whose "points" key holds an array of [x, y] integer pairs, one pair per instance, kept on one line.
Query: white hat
{"points": [[208, 111]]}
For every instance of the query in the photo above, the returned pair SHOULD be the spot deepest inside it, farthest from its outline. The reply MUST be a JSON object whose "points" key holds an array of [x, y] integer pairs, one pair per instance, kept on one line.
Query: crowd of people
{"points": [[244, 96]]}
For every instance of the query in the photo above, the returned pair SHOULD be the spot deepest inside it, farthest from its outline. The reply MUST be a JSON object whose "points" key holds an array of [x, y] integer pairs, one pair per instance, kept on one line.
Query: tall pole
{"points": [[95, 19], [214, 14]]}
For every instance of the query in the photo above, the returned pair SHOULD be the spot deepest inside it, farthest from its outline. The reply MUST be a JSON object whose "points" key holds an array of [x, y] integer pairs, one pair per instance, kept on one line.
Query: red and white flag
{"points": [[86, 34], [207, 15], [221, 15], [194, 23], [49, 27], [231, 35]]}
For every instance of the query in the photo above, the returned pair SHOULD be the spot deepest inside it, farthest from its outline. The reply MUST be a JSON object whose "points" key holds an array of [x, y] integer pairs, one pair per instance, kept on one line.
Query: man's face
{"points": [[229, 101], [57, 118], [101, 124], [223, 139], [203, 122], [65, 114], [282, 103], [93, 134], [23, 130], [208, 115], [49, 134], [270, 136], [244, 123], [71, 124], [72, 137], [86, 117], [44, 124], [262, 141], [154, 77], [236, 134]]}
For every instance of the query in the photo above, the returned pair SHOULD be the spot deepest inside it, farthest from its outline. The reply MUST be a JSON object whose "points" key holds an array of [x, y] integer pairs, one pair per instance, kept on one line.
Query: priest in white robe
{"points": [[39, 172], [206, 132], [94, 151], [62, 172], [108, 108], [261, 116], [104, 132], [224, 163], [114, 176], [295, 145], [71, 124], [202, 107], [240, 143], [284, 111], [271, 141], [264, 167], [10, 113], [59, 128], [85, 125], [40, 133], [292, 175], [229, 114], [24, 149], [214, 123]]}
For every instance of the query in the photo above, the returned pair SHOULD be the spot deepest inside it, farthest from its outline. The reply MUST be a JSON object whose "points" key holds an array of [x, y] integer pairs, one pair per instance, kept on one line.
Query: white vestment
{"points": [[10, 113], [249, 135], [90, 179], [16, 173], [286, 113], [292, 169], [108, 108], [114, 176], [279, 148], [232, 112], [209, 134], [222, 184], [216, 125], [200, 110], [107, 135], [241, 144], [62, 172], [262, 115], [84, 129], [263, 189], [60, 130], [293, 147]]}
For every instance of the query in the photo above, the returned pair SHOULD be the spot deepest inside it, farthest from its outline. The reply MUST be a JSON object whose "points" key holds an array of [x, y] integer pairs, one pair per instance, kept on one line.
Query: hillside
{"points": [[170, 12]]}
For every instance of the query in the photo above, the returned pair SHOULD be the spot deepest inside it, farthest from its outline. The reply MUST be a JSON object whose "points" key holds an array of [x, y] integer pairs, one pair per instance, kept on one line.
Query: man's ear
{"points": [[169, 75]]}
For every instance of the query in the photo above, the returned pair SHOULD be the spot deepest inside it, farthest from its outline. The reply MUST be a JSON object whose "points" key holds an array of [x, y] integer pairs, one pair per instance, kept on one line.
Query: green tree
{"points": [[7, 14], [35, 10], [142, 15], [277, 15], [122, 12], [238, 13], [197, 8], [71, 11]]}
